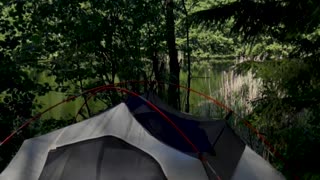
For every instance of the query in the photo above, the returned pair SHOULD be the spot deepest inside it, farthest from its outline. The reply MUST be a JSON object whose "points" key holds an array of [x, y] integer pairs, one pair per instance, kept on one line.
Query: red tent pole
{"points": [[247, 123]]}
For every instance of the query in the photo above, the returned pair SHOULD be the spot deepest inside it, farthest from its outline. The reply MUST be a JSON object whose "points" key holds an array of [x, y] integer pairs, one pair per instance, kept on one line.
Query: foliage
{"points": [[289, 18], [17, 91], [82, 44]]}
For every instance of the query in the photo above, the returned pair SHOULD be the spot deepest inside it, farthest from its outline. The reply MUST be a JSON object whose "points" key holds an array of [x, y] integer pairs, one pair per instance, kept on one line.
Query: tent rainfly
{"points": [[130, 141]]}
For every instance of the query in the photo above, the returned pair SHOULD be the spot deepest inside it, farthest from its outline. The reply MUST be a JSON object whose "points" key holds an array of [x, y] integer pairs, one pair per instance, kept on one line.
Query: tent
{"points": [[130, 141]]}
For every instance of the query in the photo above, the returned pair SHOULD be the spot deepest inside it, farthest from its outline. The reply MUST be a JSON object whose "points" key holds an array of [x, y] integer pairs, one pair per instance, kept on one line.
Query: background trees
{"points": [[260, 57]]}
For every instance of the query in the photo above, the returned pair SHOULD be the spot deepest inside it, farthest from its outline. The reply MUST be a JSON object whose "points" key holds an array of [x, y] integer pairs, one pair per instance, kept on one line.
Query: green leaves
{"points": [[256, 17]]}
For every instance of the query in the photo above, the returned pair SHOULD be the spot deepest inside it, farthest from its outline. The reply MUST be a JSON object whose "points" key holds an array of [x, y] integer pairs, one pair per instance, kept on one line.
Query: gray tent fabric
{"points": [[99, 158], [253, 167], [30, 161], [228, 149], [232, 158]]}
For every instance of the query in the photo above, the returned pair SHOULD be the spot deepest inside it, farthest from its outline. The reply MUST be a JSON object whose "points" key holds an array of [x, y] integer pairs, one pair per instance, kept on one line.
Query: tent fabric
{"points": [[253, 167], [225, 151], [30, 161]]}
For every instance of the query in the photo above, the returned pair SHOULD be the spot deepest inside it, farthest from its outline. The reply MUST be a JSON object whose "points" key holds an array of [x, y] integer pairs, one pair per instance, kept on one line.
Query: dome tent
{"points": [[117, 145]]}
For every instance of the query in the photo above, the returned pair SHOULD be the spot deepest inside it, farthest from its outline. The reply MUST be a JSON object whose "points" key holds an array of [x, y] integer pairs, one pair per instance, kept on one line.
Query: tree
{"points": [[174, 77], [96, 43]]}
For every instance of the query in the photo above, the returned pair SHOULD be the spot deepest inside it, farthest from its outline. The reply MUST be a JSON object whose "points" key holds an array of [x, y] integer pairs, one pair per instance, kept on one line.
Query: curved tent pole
{"points": [[35, 118], [103, 88], [247, 123], [52, 107]]}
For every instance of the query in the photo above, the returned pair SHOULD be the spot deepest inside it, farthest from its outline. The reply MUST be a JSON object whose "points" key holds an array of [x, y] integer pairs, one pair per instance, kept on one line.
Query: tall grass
{"points": [[237, 91], [218, 80]]}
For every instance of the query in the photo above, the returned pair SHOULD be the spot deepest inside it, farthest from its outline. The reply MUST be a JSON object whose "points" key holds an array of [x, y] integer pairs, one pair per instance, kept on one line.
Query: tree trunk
{"points": [[158, 69], [161, 87], [188, 57], [174, 79], [155, 65]]}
